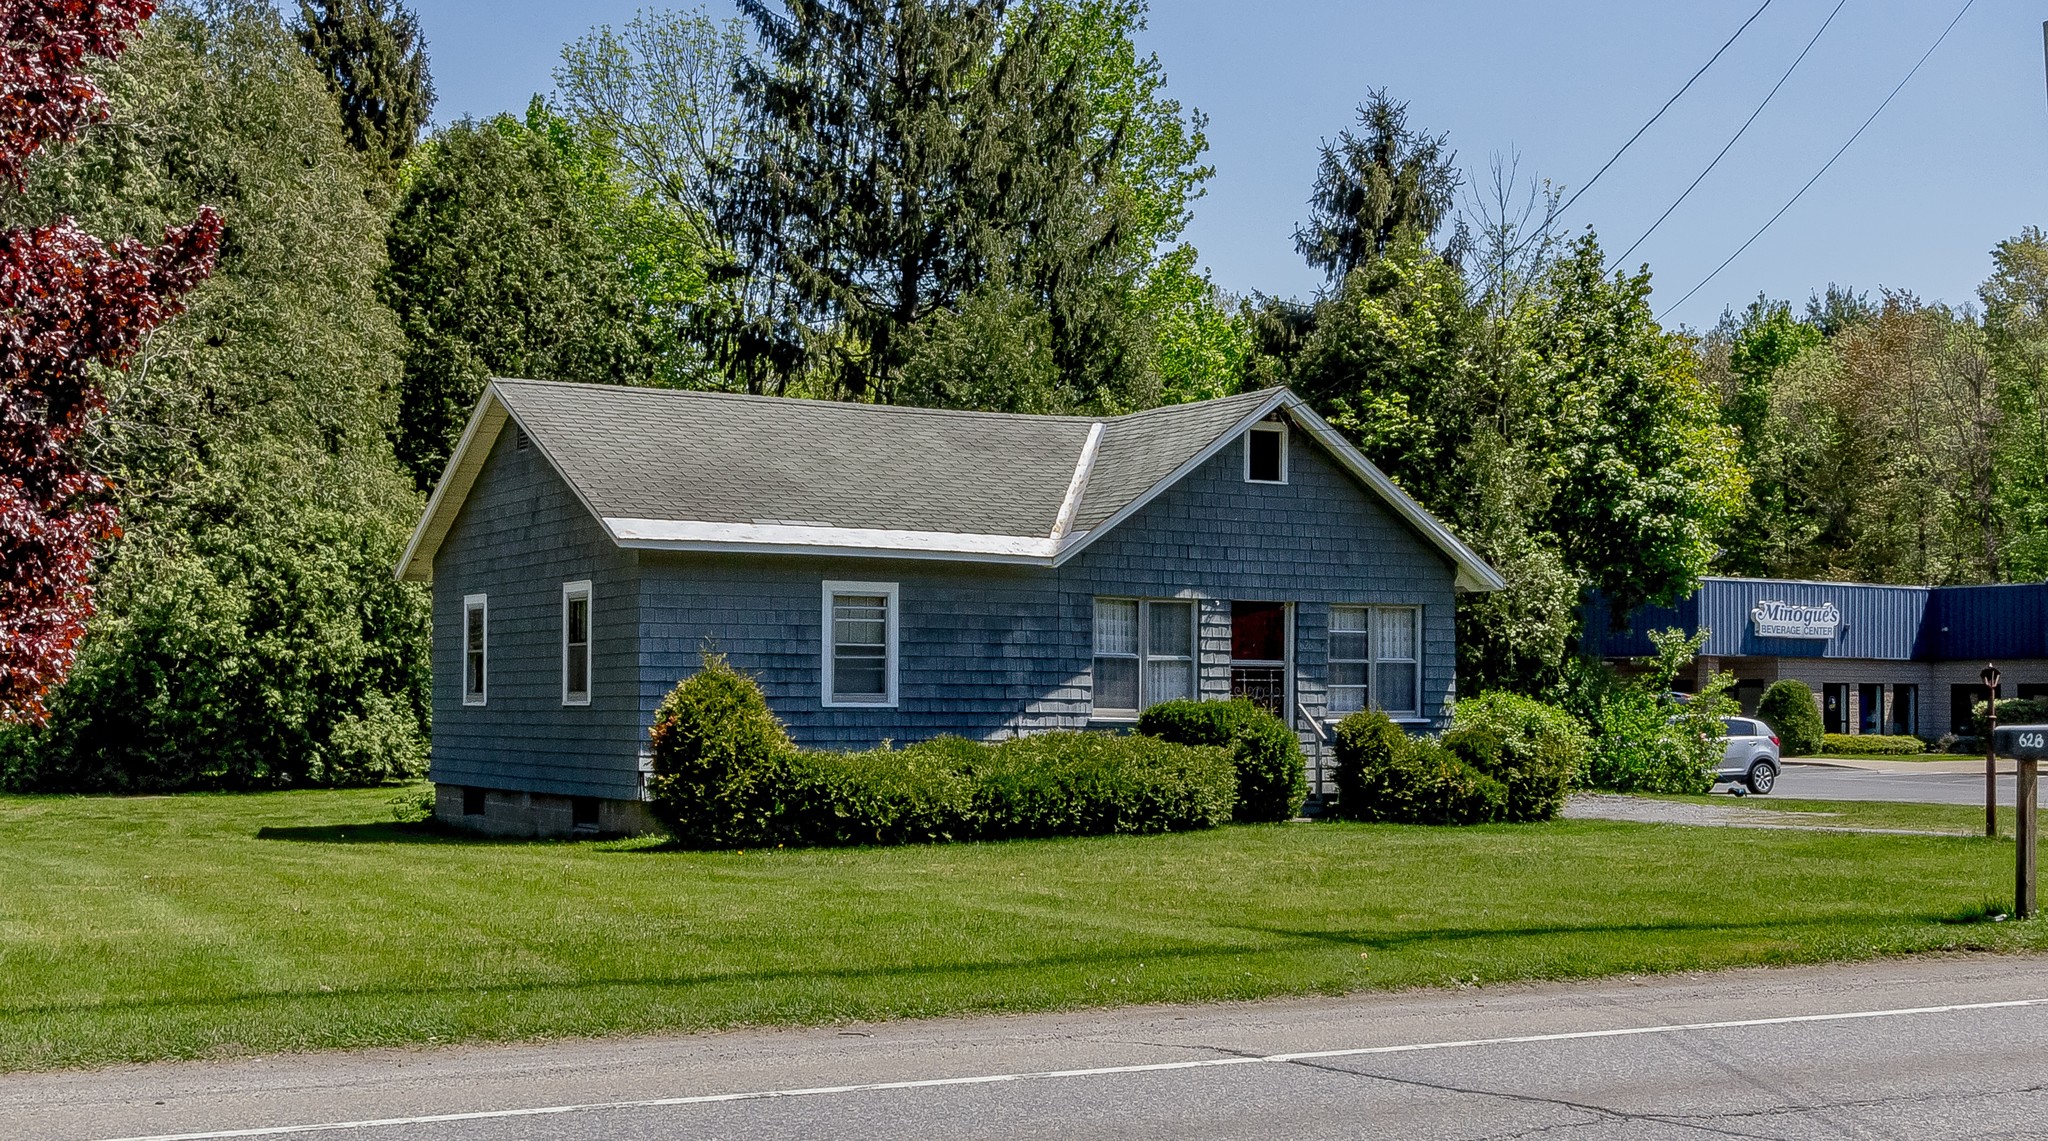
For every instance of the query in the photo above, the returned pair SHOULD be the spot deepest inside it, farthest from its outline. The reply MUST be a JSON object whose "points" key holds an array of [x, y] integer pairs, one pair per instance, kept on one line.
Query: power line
{"points": [[1666, 107], [1736, 137], [1831, 161]]}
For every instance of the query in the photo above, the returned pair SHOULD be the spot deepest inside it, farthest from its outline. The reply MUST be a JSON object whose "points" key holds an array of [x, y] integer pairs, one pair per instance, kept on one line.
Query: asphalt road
{"points": [[1824, 782], [1911, 1049]]}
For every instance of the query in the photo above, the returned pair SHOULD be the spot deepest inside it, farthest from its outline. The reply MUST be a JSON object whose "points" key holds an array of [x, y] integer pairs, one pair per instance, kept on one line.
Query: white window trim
{"points": [[1145, 656], [476, 603], [891, 624], [573, 590], [1278, 427]]}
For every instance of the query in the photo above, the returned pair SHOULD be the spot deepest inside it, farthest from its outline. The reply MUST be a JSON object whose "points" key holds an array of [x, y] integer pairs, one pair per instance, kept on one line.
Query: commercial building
{"points": [[1879, 659]]}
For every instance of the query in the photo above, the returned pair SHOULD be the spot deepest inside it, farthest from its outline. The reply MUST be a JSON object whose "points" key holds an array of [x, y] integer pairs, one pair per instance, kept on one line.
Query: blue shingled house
{"points": [[899, 573]]}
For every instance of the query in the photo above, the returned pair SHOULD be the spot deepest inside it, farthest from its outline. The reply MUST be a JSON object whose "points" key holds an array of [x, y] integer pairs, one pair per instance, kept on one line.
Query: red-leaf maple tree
{"points": [[67, 302]]}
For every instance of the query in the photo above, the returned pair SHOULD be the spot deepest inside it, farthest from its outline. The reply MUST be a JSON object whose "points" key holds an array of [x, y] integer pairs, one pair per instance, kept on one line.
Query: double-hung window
{"points": [[576, 643], [476, 646], [859, 663], [1376, 659], [1144, 654]]}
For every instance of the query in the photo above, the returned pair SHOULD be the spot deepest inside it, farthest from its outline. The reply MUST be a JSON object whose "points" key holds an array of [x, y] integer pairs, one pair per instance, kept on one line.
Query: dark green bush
{"points": [[1788, 708], [2012, 711], [923, 794], [1541, 750], [1383, 774], [719, 757], [726, 775], [1272, 780], [1087, 784], [1868, 745]]}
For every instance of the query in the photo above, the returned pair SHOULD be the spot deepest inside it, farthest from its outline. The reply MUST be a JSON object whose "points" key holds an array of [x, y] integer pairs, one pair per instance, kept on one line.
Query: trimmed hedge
{"points": [[1272, 780], [1537, 750], [1788, 708], [1869, 745], [1385, 775], [726, 775]]}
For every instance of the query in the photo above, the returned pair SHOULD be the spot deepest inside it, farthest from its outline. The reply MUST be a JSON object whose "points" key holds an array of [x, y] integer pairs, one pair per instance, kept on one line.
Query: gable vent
{"points": [[519, 440]]}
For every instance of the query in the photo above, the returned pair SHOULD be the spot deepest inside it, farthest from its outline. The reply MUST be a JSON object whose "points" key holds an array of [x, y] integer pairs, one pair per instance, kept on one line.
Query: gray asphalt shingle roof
{"points": [[662, 454]]}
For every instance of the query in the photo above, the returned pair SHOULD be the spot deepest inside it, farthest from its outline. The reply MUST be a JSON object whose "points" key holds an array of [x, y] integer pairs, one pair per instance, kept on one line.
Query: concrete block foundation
{"points": [[537, 815]]}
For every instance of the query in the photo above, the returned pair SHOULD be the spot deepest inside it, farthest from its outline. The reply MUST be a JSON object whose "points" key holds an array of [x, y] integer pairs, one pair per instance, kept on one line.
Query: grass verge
{"points": [[202, 926], [1961, 819]]}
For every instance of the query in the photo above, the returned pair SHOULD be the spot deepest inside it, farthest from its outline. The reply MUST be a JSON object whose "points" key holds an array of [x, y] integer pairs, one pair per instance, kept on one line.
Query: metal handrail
{"points": [[1322, 739]]}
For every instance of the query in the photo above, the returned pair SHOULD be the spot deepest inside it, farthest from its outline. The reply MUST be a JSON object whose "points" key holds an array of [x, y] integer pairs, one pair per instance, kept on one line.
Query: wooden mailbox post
{"points": [[2027, 744]]}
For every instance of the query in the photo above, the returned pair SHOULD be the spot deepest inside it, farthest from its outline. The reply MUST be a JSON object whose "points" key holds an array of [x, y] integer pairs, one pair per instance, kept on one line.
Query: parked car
{"points": [[1751, 755]]}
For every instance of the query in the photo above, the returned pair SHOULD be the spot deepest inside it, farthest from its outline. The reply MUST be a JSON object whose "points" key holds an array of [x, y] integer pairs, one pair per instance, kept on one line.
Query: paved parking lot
{"points": [[1923, 782]]}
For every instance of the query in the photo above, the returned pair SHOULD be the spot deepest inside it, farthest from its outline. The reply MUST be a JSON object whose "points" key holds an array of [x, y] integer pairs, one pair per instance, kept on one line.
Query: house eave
{"points": [[832, 542]]}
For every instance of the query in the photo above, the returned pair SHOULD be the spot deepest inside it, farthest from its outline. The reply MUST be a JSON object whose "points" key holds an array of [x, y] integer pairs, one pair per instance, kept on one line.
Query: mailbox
{"points": [[2022, 742]]}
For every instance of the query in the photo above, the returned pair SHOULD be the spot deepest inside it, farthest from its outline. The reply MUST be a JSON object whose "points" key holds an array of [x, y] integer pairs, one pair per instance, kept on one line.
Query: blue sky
{"points": [[1958, 161]]}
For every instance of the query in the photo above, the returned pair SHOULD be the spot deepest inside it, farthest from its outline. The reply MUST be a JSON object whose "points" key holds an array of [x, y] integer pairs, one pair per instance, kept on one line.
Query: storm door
{"points": [[1259, 654]]}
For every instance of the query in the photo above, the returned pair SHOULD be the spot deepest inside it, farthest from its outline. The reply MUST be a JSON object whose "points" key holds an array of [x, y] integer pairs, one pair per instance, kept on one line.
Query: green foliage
{"points": [[512, 254], [1788, 708], [993, 353], [1540, 750], [718, 753], [1088, 784], [375, 64], [726, 775], [1644, 738], [1272, 781], [1385, 775], [1386, 184], [1869, 745], [250, 634]]}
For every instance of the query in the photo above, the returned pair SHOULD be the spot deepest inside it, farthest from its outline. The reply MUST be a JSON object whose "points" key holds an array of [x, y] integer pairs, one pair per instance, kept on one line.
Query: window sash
{"points": [[576, 643], [1144, 654], [860, 644], [476, 649], [1265, 468], [1375, 660]]}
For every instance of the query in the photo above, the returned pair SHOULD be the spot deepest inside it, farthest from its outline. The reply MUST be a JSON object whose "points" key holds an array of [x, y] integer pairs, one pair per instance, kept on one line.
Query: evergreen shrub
{"points": [[1272, 780], [1788, 708], [1385, 775], [1644, 746], [1541, 749], [1868, 745], [726, 775]]}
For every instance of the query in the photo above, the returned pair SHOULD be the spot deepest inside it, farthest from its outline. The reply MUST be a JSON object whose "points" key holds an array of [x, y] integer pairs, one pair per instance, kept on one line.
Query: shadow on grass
{"points": [[373, 832], [1285, 941]]}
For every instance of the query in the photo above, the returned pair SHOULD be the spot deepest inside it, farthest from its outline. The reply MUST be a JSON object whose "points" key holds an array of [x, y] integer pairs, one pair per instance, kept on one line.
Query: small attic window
{"points": [[1265, 453], [519, 439]]}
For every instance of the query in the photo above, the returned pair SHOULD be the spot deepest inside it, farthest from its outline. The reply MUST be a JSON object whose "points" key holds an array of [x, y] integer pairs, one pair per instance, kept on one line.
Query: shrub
{"points": [[718, 756], [1869, 745], [1383, 774], [725, 775], [1272, 780], [1644, 747], [922, 794], [1541, 750], [1787, 707], [2013, 711], [1088, 784]]}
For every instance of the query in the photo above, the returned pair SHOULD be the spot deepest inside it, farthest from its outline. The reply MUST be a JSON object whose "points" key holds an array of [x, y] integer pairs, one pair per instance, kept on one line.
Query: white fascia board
{"points": [[1074, 544], [1474, 574], [863, 542], [464, 465]]}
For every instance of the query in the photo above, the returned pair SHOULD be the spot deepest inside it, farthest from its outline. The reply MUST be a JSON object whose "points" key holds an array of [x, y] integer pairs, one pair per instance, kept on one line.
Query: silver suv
{"points": [[1751, 756]]}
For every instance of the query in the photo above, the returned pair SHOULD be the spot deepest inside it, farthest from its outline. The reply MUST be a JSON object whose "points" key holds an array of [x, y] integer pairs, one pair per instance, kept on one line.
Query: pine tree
{"points": [[375, 63]]}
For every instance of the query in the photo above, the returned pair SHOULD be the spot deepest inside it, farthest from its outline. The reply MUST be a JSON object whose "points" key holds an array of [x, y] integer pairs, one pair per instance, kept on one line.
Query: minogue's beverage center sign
{"points": [[1775, 619]]}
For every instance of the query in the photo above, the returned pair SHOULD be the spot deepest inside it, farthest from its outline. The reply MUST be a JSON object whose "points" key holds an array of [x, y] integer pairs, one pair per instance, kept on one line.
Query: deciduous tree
{"points": [[68, 303]]}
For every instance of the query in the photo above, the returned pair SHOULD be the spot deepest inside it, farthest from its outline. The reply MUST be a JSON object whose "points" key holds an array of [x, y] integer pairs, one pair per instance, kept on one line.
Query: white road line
{"points": [[1095, 1072]]}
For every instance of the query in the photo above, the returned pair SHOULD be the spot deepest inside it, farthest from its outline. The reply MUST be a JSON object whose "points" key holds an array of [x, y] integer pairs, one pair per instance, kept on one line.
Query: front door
{"points": [[1258, 654], [1834, 707]]}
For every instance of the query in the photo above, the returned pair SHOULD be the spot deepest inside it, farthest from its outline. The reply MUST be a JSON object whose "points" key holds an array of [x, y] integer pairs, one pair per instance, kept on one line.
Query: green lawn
{"points": [[216, 925], [1961, 819]]}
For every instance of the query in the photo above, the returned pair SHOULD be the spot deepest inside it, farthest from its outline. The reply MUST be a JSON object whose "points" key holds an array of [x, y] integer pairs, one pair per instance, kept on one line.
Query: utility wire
{"points": [[1736, 137], [1666, 107], [1831, 161]]}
